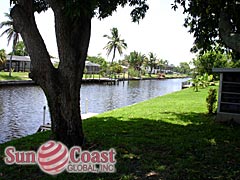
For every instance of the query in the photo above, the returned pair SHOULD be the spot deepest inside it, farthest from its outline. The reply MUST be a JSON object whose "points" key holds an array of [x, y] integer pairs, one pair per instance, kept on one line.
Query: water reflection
{"points": [[21, 108]]}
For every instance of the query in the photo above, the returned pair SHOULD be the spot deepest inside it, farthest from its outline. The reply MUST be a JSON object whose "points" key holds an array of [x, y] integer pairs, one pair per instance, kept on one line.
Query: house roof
{"points": [[88, 63], [19, 58], [225, 70]]}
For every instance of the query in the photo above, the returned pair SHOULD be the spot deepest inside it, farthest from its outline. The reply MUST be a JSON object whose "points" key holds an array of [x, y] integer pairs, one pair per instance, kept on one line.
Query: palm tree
{"points": [[11, 34], [160, 64], [152, 62], [165, 63], [114, 43], [136, 60]]}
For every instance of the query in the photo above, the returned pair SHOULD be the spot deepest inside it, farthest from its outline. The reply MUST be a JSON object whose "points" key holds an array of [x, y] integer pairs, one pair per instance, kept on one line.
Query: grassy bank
{"points": [[16, 76], [169, 137]]}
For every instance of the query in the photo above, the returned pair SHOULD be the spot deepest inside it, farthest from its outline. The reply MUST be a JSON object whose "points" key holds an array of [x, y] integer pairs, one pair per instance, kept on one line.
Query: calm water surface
{"points": [[21, 108]]}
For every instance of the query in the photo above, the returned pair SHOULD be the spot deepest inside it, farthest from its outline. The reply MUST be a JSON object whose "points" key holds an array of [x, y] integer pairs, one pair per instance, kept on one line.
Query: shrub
{"points": [[211, 101], [132, 72]]}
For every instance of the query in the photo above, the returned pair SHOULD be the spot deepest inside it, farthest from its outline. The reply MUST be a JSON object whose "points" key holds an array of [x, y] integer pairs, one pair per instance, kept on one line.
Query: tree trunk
{"points": [[230, 38], [10, 63], [61, 86], [114, 54], [64, 105], [151, 68]]}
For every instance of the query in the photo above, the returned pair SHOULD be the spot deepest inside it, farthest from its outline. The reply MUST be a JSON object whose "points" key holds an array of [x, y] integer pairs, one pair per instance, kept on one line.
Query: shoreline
{"points": [[84, 81]]}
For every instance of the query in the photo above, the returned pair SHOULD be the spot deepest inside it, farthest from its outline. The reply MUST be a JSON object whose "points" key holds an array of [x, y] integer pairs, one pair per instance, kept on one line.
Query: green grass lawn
{"points": [[4, 76], [168, 137]]}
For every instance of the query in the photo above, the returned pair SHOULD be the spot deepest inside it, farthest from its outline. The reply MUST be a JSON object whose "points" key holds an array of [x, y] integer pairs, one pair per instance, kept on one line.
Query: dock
{"points": [[186, 84], [107, 81], [18, 83], [46, 127]]}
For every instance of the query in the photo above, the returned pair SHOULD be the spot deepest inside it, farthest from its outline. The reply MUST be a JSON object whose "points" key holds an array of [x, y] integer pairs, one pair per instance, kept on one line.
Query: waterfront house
{"points": [[92, 68], [19, 63]]}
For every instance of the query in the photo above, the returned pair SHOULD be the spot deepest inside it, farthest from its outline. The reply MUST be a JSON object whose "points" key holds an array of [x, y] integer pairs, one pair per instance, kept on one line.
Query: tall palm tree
{"points": [[115, 43], [11, 34]]}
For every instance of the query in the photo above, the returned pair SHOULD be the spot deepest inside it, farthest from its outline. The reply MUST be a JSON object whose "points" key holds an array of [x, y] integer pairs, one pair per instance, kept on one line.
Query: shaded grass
{"points": [[169, 137], [4, 76]]}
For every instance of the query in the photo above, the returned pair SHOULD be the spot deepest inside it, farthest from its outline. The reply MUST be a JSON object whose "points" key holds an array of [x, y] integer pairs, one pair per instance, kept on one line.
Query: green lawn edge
{"points": [[16, 76], [168, 137], [21, 76]]}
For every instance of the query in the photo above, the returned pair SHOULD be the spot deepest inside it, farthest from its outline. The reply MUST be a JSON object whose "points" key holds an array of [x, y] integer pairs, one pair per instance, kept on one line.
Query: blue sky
{"points": [[161, 32]]}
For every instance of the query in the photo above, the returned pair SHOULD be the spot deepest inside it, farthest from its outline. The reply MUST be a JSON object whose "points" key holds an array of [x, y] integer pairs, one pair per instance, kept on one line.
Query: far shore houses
{"points": [[23, 64]]}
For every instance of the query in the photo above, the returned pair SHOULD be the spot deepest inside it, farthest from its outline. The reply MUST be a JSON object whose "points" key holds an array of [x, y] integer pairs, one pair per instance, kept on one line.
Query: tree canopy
{"points": [[211, 59], [20, 49], [213, 22], [99, 8], [184, 68], [135, 60]]}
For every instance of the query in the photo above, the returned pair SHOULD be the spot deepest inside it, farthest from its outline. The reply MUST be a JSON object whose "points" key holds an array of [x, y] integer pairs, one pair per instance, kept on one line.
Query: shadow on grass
{"points": [[155, 149], [159, 150]]}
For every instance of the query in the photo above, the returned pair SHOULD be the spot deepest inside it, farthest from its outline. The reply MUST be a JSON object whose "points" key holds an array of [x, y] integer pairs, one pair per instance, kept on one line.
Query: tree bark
{"points": [[114, 54], [230, 38], [61, 86]]}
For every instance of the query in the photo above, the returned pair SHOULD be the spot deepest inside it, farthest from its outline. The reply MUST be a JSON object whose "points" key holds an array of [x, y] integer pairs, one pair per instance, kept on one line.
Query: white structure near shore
{"points": [[229, 95]]}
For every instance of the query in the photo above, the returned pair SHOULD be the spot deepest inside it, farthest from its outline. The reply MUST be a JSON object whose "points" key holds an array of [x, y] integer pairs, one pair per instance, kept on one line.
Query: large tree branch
{"points": [[24, 23], [230, 38]]}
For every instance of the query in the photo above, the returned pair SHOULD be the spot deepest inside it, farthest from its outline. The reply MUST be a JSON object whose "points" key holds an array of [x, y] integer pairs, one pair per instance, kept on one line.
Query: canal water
{"points": [[21, 107]]}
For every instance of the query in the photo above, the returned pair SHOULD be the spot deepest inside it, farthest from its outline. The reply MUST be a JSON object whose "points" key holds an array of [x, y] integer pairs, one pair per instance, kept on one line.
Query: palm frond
{"points": [[10, 32], [5, 32]]}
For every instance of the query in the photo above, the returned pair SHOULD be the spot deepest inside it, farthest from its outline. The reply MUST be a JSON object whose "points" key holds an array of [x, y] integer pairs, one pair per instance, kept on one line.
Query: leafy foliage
{"points": [[116, 68], [20, 49], [97, 59], [184, 68], [2, 57], [211, 59], [133, 72], [100, 8], [201, 81], [135, 60], [211, 101], [203, 20]]}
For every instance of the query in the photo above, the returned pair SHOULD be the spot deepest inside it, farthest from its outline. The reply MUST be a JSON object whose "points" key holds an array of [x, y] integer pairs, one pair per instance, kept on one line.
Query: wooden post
{"points": [[44, 111], [220, 92], [86, 106]]}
